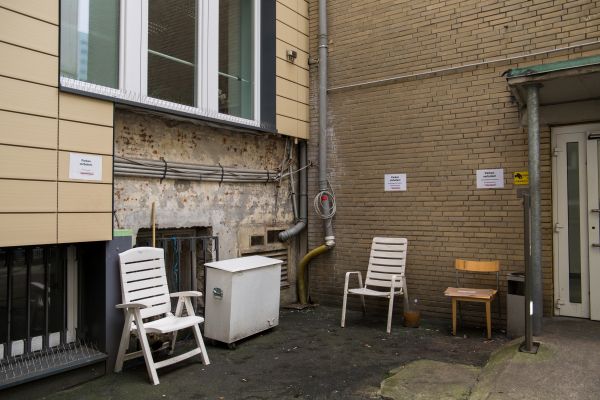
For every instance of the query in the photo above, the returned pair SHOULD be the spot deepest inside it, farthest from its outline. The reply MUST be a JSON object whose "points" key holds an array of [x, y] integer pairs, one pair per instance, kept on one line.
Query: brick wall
{"points": [[439, 128]]}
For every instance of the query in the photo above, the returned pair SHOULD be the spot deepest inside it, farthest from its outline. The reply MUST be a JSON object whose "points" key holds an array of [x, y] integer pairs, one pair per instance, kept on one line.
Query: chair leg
{"points": [[390, 311], [146, 348], [362, 298], [488, 318], [190, 311], [124, 344], [344, 302], [200, 344], [453, 317], [178, 312]]}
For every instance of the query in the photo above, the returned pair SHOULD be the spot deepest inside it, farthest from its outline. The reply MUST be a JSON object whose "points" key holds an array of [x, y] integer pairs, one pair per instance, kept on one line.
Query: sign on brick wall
{"points": [[395, 182], [490, 178]]}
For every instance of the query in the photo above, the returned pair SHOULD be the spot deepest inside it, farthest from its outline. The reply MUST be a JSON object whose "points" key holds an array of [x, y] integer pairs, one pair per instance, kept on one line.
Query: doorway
{"points": [[576, 220]]}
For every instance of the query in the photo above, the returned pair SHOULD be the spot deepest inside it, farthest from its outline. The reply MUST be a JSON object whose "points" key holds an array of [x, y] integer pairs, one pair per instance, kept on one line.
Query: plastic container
{"points": [[412, 316]]}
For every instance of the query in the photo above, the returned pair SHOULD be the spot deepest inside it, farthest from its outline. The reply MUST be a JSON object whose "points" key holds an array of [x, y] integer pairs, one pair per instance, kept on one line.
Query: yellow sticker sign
{"points": [[521, 178]]}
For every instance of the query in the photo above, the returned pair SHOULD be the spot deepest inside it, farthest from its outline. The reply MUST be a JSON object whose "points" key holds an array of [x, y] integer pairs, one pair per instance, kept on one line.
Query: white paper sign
{"points": [[490, 178], [395, 182], [85, 166]]}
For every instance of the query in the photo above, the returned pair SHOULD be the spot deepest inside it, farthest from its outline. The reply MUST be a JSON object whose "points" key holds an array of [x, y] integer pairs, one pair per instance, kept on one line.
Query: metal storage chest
{"points": [[242, 297]]}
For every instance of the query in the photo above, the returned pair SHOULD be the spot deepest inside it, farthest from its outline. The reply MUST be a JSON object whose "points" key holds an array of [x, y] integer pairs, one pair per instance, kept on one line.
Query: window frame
{"points": [[133, 66]]}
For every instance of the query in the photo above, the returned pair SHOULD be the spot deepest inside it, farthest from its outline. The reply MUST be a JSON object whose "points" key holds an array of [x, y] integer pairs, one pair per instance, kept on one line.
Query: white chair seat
{"points": [[171, 323], [370, 292]]}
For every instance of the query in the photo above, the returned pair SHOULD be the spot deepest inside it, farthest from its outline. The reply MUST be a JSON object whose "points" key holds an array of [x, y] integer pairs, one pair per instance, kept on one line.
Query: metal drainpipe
{"points": [[303, 200], [534, 278], [323, 186]]}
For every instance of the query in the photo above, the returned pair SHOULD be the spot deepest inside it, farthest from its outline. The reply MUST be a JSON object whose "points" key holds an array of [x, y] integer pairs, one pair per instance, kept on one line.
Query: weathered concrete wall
{"points": [[232, 210]]}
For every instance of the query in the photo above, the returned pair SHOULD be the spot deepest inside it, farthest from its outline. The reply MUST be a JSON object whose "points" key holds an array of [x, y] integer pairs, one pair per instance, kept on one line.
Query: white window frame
{"points": [[133, 63]]}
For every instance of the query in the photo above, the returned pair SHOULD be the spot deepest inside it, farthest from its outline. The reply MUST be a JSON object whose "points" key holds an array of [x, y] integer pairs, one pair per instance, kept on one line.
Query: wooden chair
{"points": [[475, 295], [146, 295], [385, 275]]}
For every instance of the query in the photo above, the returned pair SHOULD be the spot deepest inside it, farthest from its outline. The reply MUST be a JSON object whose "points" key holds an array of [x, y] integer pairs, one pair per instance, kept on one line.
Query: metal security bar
{"points": [[33, 299], [185, 257]]}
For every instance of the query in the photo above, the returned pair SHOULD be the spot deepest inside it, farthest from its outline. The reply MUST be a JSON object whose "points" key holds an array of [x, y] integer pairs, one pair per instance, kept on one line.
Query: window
{"points": [[200, 57], [89, 41]]}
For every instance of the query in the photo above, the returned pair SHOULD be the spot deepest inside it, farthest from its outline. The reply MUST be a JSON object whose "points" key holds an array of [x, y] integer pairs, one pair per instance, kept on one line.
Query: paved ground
{"points": [[566, 367], [307, 357]]}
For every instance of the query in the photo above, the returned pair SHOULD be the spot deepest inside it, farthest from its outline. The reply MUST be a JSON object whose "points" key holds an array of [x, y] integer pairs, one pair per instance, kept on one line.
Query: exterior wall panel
{"points": [[86, 109], [31, 33], [29, 65], [46, 10], [84, 197], [27, 229], [292, 77], [29, 98], [27, 163], [84, 227], [63, 169], [85, 138], [27, 196], [28, 130]]}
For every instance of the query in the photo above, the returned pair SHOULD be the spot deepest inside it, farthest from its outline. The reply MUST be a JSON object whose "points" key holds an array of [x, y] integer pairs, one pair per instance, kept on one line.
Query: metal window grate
{"points": [[33, 299], [280, 254]]}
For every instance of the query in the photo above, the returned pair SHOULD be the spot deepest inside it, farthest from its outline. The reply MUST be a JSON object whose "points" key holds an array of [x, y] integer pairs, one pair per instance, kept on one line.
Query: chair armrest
{"points": [[189, 293], [347, 280], [131, 305]]}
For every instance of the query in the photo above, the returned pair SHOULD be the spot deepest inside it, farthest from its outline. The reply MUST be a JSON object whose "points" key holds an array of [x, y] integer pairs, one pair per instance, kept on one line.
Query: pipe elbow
{"points": [[291, 232]]}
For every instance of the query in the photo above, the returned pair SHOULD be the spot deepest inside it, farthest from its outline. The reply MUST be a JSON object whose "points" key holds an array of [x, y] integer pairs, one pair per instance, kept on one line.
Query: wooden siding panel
{"points": [[28, 32], [63, 168], [46, 10], [27, 196], [84, 197], [86, 109], [28, 130], [27, 229], [84, 227], [85, 138], [27, 163], [28, 65], [287, 89], [28, 97], [286, 107]]}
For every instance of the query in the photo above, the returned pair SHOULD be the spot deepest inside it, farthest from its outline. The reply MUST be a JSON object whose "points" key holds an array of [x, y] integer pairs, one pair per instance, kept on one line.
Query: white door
{"points": [[576, 219]]}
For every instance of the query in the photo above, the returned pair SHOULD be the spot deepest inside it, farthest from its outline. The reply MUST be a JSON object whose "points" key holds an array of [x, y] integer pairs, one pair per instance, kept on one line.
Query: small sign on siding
{"points": [[85, 167], [395, 182], [490, 178]]}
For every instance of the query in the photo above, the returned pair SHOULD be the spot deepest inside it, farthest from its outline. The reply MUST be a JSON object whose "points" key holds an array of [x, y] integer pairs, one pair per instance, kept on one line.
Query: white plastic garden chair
{"points": [[146, 295], [385, 275]]}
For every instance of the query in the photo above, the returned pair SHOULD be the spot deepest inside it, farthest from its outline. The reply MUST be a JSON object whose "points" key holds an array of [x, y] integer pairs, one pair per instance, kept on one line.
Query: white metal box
{"points": [[242, 297]]}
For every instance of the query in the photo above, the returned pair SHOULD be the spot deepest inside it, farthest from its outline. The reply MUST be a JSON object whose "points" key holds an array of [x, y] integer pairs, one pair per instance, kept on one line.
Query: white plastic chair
{"points": [[385, 275], [145, 295]]}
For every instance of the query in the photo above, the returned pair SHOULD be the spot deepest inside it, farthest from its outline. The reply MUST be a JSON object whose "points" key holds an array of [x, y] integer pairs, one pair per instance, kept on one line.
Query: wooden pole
{"points": [[153, 216]]}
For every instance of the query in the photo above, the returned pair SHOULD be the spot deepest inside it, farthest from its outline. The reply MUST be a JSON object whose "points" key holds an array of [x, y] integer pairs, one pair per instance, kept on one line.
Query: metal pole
{"points": [[323, 186], [527, 345], [535, 278]]}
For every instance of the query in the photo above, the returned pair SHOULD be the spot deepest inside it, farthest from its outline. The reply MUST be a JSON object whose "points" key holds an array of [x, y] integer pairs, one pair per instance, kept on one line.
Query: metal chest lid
{"points": [[243, 263]]}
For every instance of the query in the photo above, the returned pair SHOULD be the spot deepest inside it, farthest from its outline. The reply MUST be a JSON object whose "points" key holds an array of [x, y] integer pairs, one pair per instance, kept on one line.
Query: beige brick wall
{"points": [[292, 77], [39, 127], [439, 129]]}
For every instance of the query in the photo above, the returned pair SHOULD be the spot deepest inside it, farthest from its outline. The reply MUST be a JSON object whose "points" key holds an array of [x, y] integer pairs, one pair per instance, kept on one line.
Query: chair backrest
{"points": [[477, 266], [388, 257], [143, 280]]}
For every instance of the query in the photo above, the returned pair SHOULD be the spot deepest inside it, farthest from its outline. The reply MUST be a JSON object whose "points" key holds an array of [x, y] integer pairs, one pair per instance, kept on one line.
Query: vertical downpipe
{"points": [[323, 185], [534, 277]]}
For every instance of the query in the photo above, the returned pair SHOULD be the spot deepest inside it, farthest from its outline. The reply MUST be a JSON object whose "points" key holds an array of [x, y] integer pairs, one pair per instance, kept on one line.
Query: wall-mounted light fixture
{"points": [[291, 55]]}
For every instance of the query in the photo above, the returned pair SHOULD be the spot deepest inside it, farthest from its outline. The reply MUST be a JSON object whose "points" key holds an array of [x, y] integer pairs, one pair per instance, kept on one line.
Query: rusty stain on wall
{"points": [[227, 208]]}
